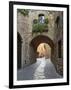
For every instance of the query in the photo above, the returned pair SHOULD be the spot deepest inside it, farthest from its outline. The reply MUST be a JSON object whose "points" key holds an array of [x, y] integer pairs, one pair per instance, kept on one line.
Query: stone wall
{"points": [[22, 29], [58, 59]]}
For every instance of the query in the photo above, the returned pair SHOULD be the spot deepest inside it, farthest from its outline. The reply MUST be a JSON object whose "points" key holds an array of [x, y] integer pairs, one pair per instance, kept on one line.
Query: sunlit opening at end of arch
{"points": [[44, 50]]}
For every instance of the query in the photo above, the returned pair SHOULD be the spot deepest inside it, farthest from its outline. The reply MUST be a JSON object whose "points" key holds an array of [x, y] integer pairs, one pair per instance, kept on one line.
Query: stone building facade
{"points": [[30, 41]]}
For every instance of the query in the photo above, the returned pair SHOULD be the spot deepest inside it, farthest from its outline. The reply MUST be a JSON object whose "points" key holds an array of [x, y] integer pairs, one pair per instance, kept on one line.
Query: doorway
{"points": [[19, 48]]}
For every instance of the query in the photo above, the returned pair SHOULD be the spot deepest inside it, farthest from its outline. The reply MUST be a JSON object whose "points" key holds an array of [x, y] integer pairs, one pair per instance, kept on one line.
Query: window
{"points": [[57, 20], [59, 48], [41, 18]]}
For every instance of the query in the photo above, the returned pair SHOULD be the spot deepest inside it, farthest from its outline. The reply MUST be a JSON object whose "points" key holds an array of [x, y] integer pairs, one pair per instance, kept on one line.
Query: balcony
{"points": [[40, 26]]}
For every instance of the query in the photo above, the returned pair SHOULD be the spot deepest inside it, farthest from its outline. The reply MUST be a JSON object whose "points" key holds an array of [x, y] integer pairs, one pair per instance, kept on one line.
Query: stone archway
{"points": [[38, 40], [19, 47]]}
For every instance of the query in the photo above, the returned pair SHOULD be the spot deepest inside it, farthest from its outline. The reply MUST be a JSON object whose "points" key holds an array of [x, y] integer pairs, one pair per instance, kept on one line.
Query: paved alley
{"points": [[42, 69]]}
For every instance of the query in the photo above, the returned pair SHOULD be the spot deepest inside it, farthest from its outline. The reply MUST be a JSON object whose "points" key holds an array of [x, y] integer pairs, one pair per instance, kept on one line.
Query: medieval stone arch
{"points": [[38, 40]]}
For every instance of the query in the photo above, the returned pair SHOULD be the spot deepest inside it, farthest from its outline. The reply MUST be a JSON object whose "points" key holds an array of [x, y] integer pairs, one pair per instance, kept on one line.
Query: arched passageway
{"points": [[43, 68], [39, 40], [19, 47]]}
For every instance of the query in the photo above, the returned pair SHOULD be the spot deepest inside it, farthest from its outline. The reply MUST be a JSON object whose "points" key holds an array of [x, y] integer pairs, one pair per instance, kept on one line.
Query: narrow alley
{"points": [[42, 69]]}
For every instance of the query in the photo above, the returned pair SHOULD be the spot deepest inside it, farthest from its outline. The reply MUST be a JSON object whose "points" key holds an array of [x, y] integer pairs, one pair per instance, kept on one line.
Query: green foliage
{"points": [[23, 11], [35, 21], [39, 27], [46, 21]]}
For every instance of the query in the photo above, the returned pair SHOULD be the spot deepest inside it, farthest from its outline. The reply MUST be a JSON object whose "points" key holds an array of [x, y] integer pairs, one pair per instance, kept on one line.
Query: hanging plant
{"points": [[39, 27]]}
